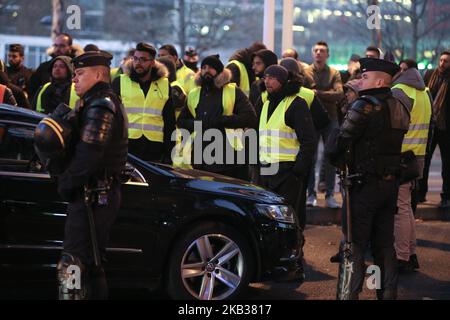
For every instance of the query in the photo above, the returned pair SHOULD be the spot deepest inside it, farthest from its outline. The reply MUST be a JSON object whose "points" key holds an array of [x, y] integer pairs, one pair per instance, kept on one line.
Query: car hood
{"points": [[222, 185]]}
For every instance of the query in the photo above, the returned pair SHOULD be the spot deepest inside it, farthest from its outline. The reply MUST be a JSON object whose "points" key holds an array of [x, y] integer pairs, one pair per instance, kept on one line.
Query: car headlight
{"points": [[277, 212]]}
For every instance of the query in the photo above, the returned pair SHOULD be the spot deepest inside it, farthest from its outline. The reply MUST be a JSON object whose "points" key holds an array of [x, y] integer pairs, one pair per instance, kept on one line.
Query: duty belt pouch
{"points": [[409, 168], [387, 165]]}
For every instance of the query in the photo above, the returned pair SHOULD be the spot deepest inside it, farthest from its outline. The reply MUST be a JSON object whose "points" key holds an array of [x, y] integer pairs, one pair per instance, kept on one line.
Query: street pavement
{"points": [[431, 281]]}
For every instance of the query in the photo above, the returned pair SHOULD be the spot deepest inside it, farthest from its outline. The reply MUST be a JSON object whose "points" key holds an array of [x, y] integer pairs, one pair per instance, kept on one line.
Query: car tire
{"points": [[210, 256]]}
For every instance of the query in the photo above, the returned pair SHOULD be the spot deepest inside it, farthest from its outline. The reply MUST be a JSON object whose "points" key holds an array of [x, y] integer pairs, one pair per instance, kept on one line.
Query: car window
{"points": [[16, 147]]}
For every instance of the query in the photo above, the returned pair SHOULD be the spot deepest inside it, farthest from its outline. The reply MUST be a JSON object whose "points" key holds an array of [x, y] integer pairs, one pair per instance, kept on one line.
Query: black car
{"points": [[195, 234]]}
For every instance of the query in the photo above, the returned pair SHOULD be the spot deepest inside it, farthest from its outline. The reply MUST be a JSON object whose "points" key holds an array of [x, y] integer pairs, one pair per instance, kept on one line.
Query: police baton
{"points": [[88, 193]]}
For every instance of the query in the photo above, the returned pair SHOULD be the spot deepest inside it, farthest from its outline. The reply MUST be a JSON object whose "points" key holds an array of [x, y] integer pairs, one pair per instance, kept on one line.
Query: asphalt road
{"points": [[431, 281]]}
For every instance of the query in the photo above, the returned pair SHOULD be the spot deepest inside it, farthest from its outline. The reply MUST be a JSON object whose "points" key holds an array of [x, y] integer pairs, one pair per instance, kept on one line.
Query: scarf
{"points": [[439, 78]]}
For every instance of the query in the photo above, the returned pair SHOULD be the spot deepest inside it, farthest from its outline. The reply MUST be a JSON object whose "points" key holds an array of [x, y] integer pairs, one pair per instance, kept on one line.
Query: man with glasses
{"points": [[145, 93]]}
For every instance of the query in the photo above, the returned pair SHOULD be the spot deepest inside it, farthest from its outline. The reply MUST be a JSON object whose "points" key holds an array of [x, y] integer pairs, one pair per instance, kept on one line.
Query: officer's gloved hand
{"points": [[61, 110]]}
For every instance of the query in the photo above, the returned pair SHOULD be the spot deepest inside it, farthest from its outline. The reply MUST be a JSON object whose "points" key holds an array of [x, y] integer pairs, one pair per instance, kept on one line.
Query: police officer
{"points": [[372, 135], [99, 155]]}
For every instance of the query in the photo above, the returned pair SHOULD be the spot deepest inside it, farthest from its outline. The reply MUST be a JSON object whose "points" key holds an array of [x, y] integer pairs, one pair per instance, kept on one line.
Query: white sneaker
{"points": [[311, 201], [331, 203]]}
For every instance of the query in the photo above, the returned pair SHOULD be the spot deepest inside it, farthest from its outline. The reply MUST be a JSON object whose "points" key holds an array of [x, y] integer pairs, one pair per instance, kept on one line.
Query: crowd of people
{"points": [[379, 119]]}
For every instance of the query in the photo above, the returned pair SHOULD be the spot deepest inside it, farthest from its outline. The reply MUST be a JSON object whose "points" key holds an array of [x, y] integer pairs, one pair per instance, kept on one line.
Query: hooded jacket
{"points": [[299, 118], [411, 77], [157, 72], [210, 112], [56, 92], [43, 73], [245, 57]]}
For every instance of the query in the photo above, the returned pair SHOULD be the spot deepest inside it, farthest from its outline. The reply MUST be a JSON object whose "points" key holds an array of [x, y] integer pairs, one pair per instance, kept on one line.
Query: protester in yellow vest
{"points": [[59, 90], [177, 92], [185, 76], [217, 104], [240, 65], [410, 88], [286, 138], [145, 94]]}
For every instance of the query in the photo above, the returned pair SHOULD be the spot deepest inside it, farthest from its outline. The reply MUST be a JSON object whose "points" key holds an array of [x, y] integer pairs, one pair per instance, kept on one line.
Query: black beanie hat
{"points": [[267, 56], [278, 72], [214, 62]]}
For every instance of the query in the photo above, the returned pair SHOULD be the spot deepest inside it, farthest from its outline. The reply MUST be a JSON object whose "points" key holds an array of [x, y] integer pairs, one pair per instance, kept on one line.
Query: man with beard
{"points": [[438, 81], [262, 59], [240, 65], [17, 72], [62, 46], [217, 104], [59, 90], [286, 138], [145, 93]]}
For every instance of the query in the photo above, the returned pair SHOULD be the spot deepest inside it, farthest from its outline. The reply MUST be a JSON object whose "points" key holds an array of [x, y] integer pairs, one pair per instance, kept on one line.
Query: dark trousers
{"points": [[145, 149], [292, 188], [77, 237], [373, 205], [442, 139]]}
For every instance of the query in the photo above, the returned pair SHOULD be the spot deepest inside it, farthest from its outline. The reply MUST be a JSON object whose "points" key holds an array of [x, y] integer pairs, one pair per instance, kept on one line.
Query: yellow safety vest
{"points": [[417, 135], [114, 73], [177, 84], [304, 93], [277, 141], [144, 112], [186, 78], [182, 156], [244, 84], [307, 95], [228, 100], [72, 100]]}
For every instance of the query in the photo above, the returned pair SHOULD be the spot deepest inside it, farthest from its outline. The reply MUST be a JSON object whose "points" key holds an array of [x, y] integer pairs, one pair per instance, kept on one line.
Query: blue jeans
{"points": [[329, 170]]}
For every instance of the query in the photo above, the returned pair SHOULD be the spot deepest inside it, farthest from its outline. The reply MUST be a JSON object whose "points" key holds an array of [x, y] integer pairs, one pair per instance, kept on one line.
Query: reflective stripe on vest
{"points": [[185, 78], [417, 135], [144, 112], [2, 92], [72, 100], [234, 136], [244, 84], [304, 93], [278, 142]]}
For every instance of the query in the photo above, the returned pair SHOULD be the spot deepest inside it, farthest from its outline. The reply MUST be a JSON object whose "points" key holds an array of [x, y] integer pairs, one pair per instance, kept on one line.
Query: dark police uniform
{"points": [[371, 139], [99, 156]]}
